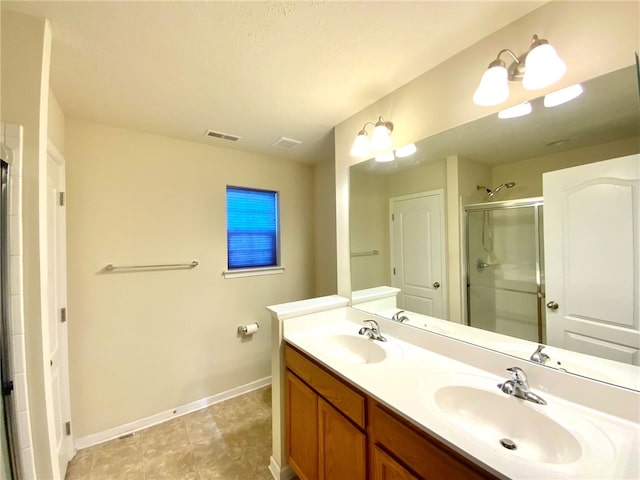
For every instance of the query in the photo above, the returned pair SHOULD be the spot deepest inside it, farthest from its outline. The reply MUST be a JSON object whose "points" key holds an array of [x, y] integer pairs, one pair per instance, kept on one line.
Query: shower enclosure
{"points": [[505, 271]]}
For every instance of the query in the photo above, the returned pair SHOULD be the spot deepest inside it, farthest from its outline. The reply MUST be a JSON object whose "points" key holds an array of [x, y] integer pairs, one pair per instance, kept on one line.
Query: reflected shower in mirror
{"points": [[495, 162]]}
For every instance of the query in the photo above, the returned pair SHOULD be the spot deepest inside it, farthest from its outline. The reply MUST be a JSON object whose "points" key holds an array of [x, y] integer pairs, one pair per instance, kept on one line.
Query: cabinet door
{"points": [[342, 446], [302, 428], [386, 468]]}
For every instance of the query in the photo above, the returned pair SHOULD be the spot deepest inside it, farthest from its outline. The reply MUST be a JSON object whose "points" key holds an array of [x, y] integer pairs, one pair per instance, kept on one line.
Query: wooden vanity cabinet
{"points": [[411, 453], [385, 467], [325, 422], [336, 432]]}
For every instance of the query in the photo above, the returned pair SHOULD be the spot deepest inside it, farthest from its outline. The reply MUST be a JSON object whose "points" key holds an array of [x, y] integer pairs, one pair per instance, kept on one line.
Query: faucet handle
{"points": [[519, 377], [539, 356], [374, 324]]}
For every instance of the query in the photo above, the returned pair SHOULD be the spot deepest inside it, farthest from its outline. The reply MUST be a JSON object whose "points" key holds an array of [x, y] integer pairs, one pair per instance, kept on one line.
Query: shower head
{"points": [[491, 193]]}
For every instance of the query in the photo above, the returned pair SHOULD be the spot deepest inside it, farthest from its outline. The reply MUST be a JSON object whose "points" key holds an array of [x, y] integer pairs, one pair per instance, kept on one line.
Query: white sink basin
{"points": [[495, 416], [540, 433], [352, 349]]}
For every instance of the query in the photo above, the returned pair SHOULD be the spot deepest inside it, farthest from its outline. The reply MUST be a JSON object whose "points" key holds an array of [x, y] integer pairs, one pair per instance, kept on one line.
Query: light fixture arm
{"points": [[381, 122], [536, 42], [506, 50], [363, 130]]}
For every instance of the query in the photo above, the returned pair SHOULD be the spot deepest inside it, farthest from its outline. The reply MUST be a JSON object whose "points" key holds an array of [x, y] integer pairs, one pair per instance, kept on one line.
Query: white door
{"points": [[417, 252], [592, 257], [58, 408]]}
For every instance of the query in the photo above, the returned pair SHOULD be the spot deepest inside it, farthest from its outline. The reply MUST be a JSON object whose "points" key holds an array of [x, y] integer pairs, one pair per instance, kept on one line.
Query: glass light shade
{"points": [[361, 146], [380, 139], [385, 157], [406, 150], [493, 88], [563, 95], [543, 67], [516, 111]]}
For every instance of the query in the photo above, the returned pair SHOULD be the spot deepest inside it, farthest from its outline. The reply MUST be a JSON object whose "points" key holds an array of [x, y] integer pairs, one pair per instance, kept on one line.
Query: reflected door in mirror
{"points": [[417, 252], [593, 290]]}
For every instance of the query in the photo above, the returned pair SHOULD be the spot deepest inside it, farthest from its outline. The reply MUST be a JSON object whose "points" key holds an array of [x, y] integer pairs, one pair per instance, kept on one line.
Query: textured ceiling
{"points": [[259, 70]]}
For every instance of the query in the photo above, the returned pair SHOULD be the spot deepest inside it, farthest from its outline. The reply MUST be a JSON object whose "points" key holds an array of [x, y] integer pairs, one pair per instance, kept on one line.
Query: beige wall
{"points": [[592, 37], [145, 342], [324, 209], [26, 46], [370, 230]]}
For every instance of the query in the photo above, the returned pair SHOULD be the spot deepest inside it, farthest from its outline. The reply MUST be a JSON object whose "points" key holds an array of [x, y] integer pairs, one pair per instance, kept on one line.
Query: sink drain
{"points": [[508, 443]]}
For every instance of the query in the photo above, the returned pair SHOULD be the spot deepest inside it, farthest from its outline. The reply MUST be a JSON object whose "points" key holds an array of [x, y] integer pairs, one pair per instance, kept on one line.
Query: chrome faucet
{"points": [[372, 332], [398, 318], [538, 356], [519, 387]]}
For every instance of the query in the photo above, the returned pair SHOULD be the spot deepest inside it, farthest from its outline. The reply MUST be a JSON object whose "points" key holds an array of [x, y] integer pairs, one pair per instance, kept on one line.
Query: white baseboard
{"points": [[100, 437], [284, 473]]}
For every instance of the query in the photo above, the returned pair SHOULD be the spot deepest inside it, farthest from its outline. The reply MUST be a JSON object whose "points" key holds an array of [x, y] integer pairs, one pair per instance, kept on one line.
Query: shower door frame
{"points": [[536, 203], [6, 370]]}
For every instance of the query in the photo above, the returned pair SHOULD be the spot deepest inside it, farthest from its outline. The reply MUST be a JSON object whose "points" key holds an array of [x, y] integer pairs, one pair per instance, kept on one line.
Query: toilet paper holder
{"points": [[249, 329]]}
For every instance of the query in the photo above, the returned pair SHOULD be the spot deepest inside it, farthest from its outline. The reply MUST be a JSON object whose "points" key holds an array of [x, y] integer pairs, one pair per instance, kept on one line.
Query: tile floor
{"points": [[230, 440]]}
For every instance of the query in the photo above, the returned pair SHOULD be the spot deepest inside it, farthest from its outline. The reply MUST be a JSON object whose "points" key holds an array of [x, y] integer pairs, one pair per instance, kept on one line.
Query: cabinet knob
{"points": [[552, 305], [436, 285]]}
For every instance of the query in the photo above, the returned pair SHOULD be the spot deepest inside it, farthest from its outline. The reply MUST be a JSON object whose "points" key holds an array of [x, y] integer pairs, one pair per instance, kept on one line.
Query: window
{"points": [[252, 229]]}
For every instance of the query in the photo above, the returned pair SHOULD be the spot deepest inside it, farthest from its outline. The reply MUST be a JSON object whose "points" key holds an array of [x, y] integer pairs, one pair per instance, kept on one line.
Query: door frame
{"points": [[443, 239]]}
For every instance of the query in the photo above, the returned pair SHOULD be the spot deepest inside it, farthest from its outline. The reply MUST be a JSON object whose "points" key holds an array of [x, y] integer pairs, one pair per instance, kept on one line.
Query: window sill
{"points": [[252, 272]]}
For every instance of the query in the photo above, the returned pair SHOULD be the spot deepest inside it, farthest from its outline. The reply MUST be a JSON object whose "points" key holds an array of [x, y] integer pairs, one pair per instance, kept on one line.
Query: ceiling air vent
{"points": [[222, 136], [286, 143]]}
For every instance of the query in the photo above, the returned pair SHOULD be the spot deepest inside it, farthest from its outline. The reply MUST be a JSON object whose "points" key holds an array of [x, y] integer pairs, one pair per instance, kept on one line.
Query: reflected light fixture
{"points": [[385, 157], [538, 68], [563, 95], [406, 150], [516, 111], [380, 138]]}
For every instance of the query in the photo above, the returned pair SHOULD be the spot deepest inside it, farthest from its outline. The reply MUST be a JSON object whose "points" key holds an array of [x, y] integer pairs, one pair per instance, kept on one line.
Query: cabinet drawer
{"points": [[422, 454], [335, 391]]}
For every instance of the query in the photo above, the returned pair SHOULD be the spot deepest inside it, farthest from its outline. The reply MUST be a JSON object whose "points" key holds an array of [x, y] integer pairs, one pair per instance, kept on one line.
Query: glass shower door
{"points": [[503, 271]]}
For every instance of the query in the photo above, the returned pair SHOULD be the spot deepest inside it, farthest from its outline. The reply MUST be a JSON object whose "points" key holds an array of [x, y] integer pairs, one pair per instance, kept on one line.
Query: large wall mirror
{"points": [[403, 231]]}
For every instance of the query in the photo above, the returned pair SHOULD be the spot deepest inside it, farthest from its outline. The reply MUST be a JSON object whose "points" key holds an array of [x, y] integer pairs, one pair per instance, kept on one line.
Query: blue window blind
{"points": [[252, 228]]}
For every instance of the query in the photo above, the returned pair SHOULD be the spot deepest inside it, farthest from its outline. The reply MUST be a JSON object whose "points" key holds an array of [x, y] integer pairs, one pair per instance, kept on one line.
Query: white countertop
{"points": [[404, 382]]}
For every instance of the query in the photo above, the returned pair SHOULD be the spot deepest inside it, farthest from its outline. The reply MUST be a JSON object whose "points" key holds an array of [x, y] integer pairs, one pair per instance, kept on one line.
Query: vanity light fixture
{"points": [[519, 110], [563, 95], [380, 138], [538, 68]]}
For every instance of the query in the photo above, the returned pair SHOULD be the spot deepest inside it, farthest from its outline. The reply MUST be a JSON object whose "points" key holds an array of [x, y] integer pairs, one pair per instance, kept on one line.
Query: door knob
{"points": [[553, 305], [436, 285]]}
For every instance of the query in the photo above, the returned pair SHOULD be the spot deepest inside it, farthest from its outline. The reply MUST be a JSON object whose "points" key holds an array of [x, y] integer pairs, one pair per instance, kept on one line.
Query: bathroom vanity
{"points": [[422, 405], [332, 427]]}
